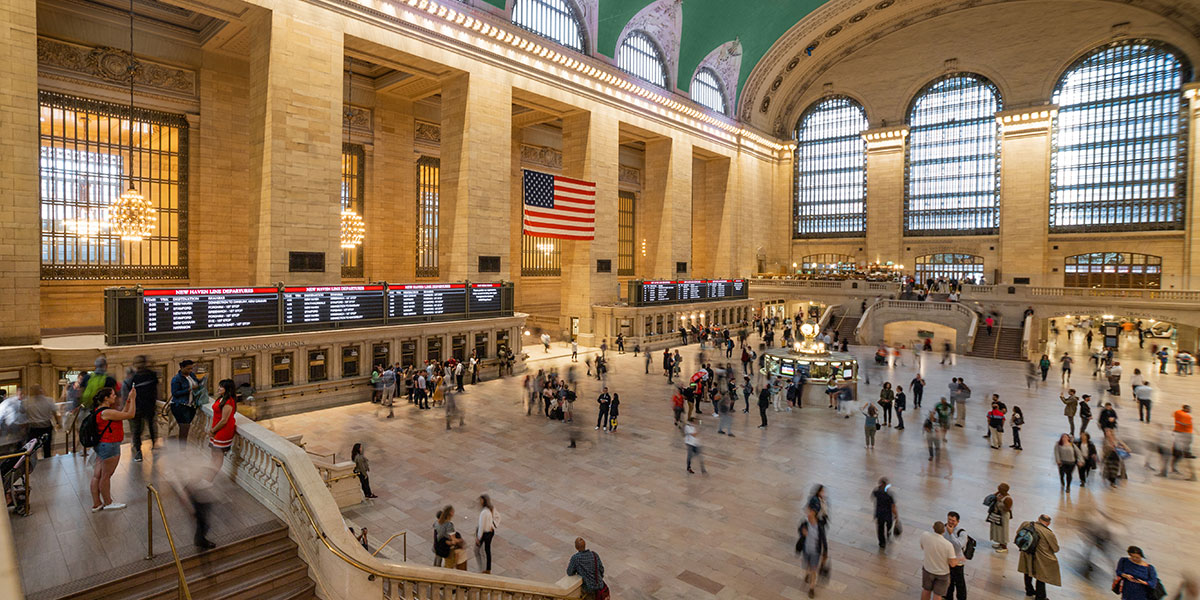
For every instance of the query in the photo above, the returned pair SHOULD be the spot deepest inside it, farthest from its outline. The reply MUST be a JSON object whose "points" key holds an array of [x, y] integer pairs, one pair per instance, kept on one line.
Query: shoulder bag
{"points": [[602, 593]]}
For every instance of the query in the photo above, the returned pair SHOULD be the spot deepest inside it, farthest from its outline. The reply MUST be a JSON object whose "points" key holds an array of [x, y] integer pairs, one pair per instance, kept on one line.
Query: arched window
{"points": [[831, 170], [950, 266], [828, 264], [639, 56], [707, 90], [952, 184], [555, 19], [1113, 270], [1117, 159]]}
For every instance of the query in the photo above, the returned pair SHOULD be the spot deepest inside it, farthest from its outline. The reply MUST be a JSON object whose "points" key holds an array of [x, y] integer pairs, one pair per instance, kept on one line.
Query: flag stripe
{"points": [[545, 215], [589, 228], [566, 189]]}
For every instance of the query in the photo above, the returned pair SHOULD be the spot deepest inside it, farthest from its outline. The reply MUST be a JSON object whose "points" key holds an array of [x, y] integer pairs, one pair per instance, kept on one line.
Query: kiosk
{"points": [[817, 365]]}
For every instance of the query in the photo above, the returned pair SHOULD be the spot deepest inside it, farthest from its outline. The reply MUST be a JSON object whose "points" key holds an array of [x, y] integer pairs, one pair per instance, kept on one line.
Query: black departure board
{"points": [[646, 293], [138, 315], [485, 297], [191, 310], [418, 300], [332, 304]]}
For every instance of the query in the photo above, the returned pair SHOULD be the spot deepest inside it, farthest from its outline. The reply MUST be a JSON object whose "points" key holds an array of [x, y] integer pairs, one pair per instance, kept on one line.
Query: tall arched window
{"points": [[707, 90], [1113, 270], [555, 19], [1117, 161], [952, 183], [831, 170], [949, 265], [639, 56]]}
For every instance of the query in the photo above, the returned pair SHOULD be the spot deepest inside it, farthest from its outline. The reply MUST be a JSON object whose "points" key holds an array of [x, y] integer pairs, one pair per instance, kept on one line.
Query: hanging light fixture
{"points": [[131, 216], [353, 229]]}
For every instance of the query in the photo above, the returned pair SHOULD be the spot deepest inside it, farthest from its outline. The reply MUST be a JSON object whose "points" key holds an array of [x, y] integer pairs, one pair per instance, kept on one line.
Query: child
{"points": [[613, 412]]}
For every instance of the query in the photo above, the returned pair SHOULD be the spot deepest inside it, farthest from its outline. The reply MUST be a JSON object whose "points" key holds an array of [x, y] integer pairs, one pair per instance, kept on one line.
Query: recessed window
{"points": [[1113, 270], [707, 90], [318, 365], [828, 264], [831, 170], [959, 267], [353, 186], [555, 19], [90, 152], [350, 361], [428, 199], [540, 256], [639, 56], [952, 183], [1117, 159], [626, 216]]}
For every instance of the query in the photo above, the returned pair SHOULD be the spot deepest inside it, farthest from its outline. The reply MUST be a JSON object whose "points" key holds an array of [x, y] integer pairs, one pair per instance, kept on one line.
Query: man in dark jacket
{"points": [[145, 389], [587, 565], [764, 400]]}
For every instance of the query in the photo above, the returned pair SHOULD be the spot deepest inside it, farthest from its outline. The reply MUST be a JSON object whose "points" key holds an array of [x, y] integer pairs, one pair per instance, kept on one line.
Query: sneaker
{"points": [[97, 508], [137, 458], [597, 428], [115, 506]]}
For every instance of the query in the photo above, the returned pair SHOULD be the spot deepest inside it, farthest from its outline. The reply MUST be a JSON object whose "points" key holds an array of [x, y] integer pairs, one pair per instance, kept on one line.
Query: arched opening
{"points": [[960, 267], [1113, 270]]}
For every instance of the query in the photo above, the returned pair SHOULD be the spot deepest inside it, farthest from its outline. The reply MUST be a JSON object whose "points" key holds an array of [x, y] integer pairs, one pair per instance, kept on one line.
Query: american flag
{"points": [[559, 207]]}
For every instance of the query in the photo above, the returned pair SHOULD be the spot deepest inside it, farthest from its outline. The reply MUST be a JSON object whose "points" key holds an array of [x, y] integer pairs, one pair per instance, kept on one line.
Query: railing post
{"points": [[149, 526]]}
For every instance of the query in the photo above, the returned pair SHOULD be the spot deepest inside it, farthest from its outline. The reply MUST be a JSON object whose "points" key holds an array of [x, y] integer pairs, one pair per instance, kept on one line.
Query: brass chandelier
{"points": [[131, 215]]}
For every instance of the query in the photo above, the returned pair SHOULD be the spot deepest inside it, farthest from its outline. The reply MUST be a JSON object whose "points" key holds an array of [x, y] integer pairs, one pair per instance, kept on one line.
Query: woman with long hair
{"points": [[486, 530], [1067, 456], [362, 468], [224, 422], [1015, 423], [1090, 458], [447, 543], [108, 451]]}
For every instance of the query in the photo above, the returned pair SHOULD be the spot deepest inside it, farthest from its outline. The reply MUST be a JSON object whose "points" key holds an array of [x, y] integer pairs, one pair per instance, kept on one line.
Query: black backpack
{"points": [[969, 547], [89, 430]]}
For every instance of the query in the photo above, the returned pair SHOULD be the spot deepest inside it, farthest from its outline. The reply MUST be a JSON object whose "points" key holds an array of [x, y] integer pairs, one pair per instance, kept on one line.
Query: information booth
{"points": [[815, 364]]}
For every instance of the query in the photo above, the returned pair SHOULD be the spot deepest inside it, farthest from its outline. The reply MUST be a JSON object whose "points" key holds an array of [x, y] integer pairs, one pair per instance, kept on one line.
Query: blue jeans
{"points": [[107, 450]]}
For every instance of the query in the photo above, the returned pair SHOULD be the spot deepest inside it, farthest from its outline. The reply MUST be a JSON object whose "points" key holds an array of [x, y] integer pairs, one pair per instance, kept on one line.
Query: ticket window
{"points": [[318, 365], [9, 382], [458, 347], [243, 372], [433, 349], [408, 353], [481, 346], [502, 340], [381, 355], [281, 369], [659, 326], [204, 368], [350, 361]]}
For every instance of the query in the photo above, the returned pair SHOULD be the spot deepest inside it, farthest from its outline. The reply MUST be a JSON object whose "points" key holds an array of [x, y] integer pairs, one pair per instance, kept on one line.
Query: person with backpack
{"points": [[447, 543], [95, 381], [964, 550], [103, 431], [1135, 578], [183, 388], [1038, 563], [999, 506]]}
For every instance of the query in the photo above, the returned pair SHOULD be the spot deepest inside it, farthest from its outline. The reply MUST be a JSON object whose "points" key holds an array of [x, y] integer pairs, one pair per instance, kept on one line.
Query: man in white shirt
{"points": [[459, 371], [693, 447], [957, 538], [1142, 394], [935, 567]]}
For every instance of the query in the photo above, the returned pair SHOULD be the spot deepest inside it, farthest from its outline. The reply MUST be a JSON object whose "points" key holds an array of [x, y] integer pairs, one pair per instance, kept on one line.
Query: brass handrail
{"points": [[330, 482], [152, 494], [402, 534], [28, 454], [321, 535]]}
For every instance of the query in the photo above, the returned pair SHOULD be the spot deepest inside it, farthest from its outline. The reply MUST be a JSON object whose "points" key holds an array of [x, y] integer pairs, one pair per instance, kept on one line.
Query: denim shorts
{"points": [[107, 450], [183, 413]]}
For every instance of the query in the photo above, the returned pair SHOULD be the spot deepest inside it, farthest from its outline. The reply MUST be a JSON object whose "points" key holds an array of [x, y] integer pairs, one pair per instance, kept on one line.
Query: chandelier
{"points": [[353, 229], [131, 216]]}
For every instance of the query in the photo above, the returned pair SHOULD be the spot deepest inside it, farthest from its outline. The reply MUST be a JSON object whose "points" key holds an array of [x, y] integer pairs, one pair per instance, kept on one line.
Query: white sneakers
{"points": [[113, 506]]}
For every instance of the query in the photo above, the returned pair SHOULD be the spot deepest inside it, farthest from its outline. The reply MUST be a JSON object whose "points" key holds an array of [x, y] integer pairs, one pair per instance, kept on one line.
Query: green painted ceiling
{"points": [[706, 25], [709, 23]]}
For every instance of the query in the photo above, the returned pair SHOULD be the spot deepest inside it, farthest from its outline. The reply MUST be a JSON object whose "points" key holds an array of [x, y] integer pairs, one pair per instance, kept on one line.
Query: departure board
{"points": [[485, 297], [645, 293], [417, 300], [332, 304], [195, 310]]}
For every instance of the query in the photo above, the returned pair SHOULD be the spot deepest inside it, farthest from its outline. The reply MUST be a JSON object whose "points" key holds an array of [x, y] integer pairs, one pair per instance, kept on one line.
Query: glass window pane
{"points": [[353, 186], [640, 57], [831, 170], [554, 19], [707, 91], [428, 198]]}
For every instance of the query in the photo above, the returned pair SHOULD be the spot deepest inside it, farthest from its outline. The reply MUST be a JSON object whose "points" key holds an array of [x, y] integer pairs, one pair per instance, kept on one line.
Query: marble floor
{"points": [[665, 534]]}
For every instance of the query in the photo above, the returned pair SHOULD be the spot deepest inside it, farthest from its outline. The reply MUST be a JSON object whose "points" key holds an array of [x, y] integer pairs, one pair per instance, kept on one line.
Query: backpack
{"points": [[969, 547], [89, 430], [441, 545], [990, 502], [95, 383], [1027, 539]]}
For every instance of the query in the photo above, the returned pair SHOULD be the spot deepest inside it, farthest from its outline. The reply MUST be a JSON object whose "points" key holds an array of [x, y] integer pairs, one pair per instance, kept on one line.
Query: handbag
{"points": [[993, 518], [1116, 586], [897, 529], [602, 593]]}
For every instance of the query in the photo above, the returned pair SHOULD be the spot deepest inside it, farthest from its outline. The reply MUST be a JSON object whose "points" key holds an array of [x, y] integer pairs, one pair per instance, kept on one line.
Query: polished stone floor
{"points": [[665, 534]]}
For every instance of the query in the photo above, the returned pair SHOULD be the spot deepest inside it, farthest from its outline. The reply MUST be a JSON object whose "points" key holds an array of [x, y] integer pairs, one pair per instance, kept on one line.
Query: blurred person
{"points": [[1113, 457], [1067, 362], [933, 441], [189, 479], [1136, 579], [809, 548], [1067, 456], [1091, 459], [1182, 444], [886, 512], [1039, 565], [1031, 376], [41, 418], [224, 423], [1085, 412], [145, 382], [362, 468], [453, 410], [693, 447]]}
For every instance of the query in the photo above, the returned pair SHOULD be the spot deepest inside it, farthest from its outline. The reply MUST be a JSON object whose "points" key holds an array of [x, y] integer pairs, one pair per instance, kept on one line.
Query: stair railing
{"points": [[403, 535], [154, 499]]}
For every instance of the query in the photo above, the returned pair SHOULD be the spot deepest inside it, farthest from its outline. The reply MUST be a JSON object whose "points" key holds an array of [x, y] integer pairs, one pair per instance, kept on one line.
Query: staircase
{"points": [[1003, 344], [262, 565], [845, 325]]}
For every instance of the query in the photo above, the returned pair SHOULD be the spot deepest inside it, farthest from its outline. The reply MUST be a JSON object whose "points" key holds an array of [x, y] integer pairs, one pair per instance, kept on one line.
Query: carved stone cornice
{"points": [[112, 65], [541, 156], [629, 175], [428, 134], [357, 120]]}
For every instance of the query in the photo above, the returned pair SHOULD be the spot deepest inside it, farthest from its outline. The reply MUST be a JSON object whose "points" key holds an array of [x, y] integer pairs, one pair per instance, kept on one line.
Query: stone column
{"points": [[590, 152], [714, 224], [476, 171], [667, 194], [1191, 254], [20, 244], [390, 205], [296, 88], [885, 193], [1024, 194]]}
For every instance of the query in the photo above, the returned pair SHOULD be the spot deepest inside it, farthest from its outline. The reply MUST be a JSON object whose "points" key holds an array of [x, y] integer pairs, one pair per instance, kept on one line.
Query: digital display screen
{"points": [[698, 290], [415, 300], [485, 297], [192, 310], [329, 304], [787, 368]]}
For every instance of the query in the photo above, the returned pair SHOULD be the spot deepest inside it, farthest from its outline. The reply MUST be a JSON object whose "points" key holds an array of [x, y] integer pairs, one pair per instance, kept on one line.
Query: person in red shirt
{"points": [[224, 425], [677, 405], [108, 451]]}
